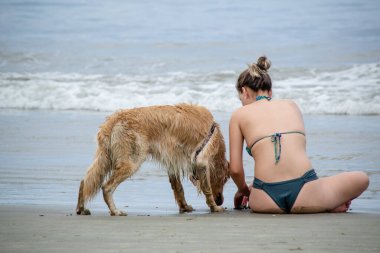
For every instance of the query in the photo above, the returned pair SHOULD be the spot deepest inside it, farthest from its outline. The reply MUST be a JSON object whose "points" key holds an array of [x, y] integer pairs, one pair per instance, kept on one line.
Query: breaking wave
{"points": [[353, 90]]}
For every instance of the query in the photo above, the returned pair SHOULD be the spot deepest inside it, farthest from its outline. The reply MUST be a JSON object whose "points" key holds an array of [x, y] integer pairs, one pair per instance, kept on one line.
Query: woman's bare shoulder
{"points": [[239, 115], [239, 111], [235, 115], [288, 102]]}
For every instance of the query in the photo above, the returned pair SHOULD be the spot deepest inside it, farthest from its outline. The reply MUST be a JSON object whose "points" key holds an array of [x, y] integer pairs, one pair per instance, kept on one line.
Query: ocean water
{"points": [[106, 55], [65, 65]]}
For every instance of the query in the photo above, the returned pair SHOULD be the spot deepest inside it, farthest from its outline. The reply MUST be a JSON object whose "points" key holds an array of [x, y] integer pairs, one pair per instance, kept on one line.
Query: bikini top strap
{"points": [[267, 136], [294, 132], [271, 136], [276, 139]]}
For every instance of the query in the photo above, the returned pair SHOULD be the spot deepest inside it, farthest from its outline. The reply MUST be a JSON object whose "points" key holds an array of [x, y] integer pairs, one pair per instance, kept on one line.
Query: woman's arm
{"points": [[236, 160]]}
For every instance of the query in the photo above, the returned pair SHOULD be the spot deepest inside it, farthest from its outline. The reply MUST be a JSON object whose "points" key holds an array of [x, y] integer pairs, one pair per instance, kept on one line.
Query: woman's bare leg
{"points": [[330, 194]]}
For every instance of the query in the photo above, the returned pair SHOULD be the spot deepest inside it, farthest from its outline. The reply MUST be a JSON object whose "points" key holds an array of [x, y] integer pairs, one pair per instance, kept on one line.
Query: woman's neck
{"points": [[262, 93]]}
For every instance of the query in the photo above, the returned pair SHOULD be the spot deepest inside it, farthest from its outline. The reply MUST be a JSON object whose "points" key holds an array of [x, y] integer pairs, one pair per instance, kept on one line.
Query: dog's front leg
{"points": [[204, 178], [179, 194]]}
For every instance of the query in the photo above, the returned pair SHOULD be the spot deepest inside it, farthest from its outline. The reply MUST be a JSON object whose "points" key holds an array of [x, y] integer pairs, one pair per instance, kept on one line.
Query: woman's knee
{"points": [[362, 179], [357, 182]]}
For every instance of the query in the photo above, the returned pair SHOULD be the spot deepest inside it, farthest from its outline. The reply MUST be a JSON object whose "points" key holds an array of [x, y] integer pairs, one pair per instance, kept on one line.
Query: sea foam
{"points": [[353, 90]]}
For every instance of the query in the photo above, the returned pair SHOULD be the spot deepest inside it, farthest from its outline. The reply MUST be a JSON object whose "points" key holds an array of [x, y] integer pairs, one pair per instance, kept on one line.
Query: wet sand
{"points": [[47, 229]]}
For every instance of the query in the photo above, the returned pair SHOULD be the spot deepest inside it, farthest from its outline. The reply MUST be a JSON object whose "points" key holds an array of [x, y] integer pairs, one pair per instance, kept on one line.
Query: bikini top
{"points": [[276, 139]]}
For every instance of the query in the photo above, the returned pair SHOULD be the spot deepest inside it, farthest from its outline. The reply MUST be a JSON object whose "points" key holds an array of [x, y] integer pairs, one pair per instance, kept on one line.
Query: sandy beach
{"points": [[47, 229]]}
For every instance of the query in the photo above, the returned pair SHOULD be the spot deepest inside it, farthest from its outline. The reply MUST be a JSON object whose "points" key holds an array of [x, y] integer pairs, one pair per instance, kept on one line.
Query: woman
{"points": [[274, 132]]}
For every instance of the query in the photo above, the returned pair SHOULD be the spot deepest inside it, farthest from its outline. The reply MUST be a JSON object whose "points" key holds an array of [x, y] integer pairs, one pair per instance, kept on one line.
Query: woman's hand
{"points": [[241, 198]]}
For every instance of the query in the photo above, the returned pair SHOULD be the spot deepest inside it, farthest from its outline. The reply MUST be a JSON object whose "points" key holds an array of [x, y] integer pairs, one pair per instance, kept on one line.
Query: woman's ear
{"points": [[244, 91], [270, 93], [249, 94]]}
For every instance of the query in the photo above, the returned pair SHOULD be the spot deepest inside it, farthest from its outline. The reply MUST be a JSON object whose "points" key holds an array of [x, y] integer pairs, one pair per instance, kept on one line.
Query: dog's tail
{"points": [[101, 166], [99, 169]]}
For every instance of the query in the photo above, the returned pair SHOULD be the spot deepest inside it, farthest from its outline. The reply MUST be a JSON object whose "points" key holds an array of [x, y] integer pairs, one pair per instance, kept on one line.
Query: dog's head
{"points": [[212, 157], [220, 168], [218, 179]]}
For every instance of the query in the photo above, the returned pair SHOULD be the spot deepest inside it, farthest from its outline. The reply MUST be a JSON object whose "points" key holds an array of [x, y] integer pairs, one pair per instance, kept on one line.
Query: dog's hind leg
{"points": [[205, 185], [179, 194], [80, 207], [122, 171]]}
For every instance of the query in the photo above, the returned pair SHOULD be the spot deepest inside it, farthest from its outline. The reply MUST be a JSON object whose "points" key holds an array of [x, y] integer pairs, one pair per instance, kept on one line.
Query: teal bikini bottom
{"points": [[285, 193]]}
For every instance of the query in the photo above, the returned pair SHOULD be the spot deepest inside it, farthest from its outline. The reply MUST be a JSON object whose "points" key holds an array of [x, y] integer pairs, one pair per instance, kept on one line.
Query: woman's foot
{"points": [[342, 208]]}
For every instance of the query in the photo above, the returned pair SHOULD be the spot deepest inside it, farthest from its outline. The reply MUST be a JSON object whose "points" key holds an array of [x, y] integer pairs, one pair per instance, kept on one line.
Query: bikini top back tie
{"points": [[276, 139]]}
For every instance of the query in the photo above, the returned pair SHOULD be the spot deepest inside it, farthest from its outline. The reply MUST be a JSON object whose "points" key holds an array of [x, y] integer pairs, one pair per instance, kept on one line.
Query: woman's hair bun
{"points": [[263, 63]]}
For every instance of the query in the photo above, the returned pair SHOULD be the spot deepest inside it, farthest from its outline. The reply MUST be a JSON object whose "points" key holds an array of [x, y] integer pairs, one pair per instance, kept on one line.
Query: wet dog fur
{"points": [[183, 138]]}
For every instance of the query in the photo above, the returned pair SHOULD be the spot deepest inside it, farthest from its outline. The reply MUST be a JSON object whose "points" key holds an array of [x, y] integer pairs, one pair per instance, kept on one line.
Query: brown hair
{"points": [[256, 76]]}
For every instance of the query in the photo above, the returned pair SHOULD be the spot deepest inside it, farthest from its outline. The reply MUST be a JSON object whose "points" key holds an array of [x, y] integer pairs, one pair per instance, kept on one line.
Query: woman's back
{"points": [[265, 118]]}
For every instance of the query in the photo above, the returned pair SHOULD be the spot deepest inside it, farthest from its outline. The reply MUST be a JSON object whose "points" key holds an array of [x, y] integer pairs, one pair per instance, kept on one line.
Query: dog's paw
{"points": [[216, 209], [186, 209], [83, 212], [118, 213]]}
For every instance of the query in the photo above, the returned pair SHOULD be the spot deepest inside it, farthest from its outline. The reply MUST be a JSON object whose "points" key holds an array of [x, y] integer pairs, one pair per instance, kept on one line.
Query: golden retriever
{"points": [[183, 138]]}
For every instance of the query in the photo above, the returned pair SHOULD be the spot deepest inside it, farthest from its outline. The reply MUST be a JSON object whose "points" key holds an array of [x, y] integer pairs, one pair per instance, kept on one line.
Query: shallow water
{"points": [[45, 154]]}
